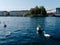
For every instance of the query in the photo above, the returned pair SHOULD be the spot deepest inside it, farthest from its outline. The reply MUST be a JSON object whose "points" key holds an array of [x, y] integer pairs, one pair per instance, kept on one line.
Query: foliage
{"points": [[32, 11], [25, 14], [38, 10], [43, 10]]}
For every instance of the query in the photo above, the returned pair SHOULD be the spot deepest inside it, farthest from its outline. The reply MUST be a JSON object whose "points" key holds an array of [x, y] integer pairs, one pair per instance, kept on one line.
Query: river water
{"points": [[22, 30]]}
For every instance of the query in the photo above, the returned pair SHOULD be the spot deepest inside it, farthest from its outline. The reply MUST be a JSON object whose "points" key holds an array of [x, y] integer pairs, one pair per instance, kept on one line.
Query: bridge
{"points": [[51, 10]]}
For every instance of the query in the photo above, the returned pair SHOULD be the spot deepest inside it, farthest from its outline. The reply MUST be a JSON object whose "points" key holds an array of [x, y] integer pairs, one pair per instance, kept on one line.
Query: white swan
{"points": [[46, 35], [39, 30]]}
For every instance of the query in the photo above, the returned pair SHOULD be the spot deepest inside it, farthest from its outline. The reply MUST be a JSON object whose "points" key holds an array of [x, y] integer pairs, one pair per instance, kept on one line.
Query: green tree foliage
{"points": [[43, 10], [25, 14], [37, 10], [32, 11]]}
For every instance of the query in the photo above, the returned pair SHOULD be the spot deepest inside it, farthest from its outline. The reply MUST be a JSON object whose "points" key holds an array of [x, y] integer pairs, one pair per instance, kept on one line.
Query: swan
{"points": [[39, 30], [46, 35]]}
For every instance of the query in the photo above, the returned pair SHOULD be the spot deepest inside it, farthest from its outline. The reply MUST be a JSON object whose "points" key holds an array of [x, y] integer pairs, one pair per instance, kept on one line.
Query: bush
{"points": [[25, 14]]}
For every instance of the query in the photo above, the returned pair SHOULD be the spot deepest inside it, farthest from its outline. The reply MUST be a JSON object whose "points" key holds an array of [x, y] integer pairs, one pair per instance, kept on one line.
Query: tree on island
{"points": [[43, 11], [32, 11], [37, 10]]}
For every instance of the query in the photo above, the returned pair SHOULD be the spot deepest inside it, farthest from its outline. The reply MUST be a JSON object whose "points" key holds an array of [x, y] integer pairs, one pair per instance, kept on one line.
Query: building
{"points": [[57, 10], [3, 13], [18, 13]]}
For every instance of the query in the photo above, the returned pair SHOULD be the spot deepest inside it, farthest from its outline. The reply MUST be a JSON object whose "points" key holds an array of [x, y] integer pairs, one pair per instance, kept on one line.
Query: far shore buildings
{"points": [[14, 13], [3, 13], [19, 13], [55, 12]]}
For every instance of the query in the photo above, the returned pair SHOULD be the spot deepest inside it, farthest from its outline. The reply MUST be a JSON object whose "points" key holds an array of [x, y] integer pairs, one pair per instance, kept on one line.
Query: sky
{"points": [[9, 5]]}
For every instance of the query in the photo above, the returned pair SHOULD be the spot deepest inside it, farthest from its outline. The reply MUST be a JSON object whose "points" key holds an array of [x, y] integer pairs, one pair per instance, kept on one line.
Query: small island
{"points": [[38, 11]]}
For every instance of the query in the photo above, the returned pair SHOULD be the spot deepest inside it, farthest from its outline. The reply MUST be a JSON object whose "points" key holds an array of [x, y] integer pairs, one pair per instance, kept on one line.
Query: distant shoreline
{"points": [[29, 16]]}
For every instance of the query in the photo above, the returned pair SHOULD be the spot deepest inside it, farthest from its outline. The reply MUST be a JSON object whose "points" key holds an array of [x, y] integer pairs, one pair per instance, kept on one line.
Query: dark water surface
{"points": [[22, 30]]}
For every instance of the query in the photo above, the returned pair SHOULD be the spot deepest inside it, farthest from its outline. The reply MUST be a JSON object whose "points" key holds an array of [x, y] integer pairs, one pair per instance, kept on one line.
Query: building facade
{"points": [[57, 10], [14, 13], [18, 13], [3, 13]]}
